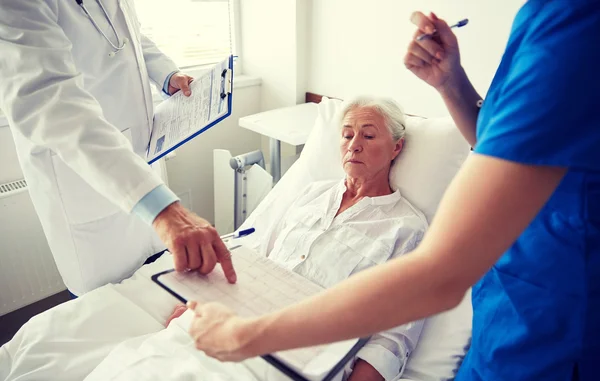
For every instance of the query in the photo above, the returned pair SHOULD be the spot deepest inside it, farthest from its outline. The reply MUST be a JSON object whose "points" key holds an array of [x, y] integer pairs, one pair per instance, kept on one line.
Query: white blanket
{"points": [[70, 341], [166, 355]]}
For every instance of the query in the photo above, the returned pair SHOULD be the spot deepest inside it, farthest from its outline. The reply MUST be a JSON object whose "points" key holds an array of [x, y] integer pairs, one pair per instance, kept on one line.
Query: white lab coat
{"points": [[75, 114]]}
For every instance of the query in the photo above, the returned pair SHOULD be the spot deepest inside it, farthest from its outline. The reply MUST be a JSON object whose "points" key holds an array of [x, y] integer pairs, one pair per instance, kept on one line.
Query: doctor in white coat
{"points": [[75, 88]]}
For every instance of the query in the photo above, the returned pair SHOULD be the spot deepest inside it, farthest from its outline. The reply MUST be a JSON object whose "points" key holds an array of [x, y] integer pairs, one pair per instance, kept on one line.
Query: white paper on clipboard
{"points": [[262, 286], [180, 118]]}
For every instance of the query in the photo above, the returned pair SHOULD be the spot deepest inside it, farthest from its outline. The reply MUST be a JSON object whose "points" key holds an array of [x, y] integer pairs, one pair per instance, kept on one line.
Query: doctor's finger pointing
{"points": [[224, 258], [191, 240]]}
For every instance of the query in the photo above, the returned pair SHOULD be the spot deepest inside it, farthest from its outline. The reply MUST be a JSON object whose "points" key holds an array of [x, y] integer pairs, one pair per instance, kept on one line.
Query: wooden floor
{"points": [[11, 322]]}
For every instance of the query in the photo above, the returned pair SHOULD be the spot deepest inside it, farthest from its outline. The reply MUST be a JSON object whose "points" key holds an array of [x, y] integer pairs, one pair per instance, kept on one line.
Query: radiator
{"points": [[27, 270]]}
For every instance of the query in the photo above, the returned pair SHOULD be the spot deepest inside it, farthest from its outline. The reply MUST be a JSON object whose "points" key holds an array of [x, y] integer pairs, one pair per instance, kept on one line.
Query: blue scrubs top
{"points": [[537, 311]]}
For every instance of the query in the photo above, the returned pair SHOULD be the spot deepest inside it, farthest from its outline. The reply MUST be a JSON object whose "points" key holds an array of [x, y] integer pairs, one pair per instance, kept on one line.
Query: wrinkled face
{"points": [[367, 146]]}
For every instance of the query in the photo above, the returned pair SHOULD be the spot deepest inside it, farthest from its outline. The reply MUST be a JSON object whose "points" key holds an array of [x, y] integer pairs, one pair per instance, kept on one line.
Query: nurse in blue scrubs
{"points": [[520, 223]]}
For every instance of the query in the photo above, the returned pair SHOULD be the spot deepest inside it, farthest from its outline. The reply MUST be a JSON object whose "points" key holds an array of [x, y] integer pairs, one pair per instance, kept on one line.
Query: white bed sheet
{"points": [[168, 354], [69, 341]]}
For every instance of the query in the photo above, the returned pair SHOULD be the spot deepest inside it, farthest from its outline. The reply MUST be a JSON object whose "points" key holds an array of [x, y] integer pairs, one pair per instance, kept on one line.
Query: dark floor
{"points": [[11, 322]]}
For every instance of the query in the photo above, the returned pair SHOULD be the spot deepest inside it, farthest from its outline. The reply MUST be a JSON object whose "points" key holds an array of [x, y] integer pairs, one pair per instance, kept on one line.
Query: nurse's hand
{"points": [[194, 243], [435, 60], [181, 82], [220, 333]]}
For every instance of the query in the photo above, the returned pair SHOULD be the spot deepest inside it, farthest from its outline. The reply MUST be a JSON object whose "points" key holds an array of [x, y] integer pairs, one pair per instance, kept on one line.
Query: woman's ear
{"points": [[398, 148]]}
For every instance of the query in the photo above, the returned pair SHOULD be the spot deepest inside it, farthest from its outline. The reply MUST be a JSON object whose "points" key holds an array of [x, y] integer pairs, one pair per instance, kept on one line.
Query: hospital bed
{"points": [[65, 342]]}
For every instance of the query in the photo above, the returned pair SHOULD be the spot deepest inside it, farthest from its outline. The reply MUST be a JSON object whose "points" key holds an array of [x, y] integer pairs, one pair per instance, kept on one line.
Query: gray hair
{"points": [[389, 109]]}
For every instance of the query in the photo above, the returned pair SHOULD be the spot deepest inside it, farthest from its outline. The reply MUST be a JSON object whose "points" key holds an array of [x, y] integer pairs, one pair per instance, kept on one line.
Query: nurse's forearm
{"points": [[489, 203], [355, 310], [461, 99]]}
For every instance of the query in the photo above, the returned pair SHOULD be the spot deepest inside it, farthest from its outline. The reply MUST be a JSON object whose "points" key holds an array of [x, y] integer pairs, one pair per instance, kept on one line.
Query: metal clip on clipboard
{"points": [[225, 83]]}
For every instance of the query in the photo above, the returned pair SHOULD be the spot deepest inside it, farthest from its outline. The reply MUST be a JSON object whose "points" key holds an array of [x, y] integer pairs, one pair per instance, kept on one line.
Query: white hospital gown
{"points": [[313, 242]]}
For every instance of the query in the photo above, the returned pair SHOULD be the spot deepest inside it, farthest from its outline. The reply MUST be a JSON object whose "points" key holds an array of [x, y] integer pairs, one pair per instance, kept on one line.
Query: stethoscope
{"points": [[119, 46]]}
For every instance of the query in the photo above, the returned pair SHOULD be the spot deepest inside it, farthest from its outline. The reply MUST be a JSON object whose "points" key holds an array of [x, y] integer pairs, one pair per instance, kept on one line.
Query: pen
{"points": [[241, 233], [459, 24]]}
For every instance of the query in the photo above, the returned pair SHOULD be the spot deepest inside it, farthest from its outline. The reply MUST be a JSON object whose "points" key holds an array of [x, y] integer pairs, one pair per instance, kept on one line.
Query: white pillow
{"points": [[321, 154], [433, 152], [443, 344]]}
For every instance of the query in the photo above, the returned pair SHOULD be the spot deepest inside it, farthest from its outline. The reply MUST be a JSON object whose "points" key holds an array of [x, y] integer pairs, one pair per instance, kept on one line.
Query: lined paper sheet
{"points": [[262, 286]]}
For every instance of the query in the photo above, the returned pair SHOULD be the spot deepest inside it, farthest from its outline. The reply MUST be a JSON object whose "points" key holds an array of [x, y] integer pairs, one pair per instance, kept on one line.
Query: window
{"points": [[190, 32]]}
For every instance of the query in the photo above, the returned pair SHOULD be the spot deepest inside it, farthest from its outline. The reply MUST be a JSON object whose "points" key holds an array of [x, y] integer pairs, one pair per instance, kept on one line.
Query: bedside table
{"points": [[290, 125]]}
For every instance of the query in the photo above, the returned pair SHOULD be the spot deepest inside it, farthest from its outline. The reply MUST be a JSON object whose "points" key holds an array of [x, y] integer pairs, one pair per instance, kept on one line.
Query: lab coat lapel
{"points": [[134, 32]]}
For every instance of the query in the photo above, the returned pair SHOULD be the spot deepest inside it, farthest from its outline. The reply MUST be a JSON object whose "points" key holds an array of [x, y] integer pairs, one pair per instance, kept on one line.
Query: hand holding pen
{"points": [[433, 53], [433, 33]]}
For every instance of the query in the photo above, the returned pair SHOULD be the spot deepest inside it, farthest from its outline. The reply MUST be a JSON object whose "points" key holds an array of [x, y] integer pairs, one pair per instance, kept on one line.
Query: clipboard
{"points": [[166, 280], [180, 119]]}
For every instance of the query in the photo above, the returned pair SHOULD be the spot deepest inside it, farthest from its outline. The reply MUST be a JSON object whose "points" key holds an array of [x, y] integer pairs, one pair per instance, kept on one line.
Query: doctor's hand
{"points": [[220, 333], [435, 60], [181, 82], [194, 243]]}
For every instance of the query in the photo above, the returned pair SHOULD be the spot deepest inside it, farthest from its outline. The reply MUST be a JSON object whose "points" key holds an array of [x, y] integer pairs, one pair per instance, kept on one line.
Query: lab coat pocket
{"points": [[81, 203]]}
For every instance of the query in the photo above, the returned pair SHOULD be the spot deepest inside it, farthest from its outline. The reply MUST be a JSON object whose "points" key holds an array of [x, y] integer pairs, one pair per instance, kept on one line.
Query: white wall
{"points": [[268, 48], [275, 48], [358, 47], [343, 48]]}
